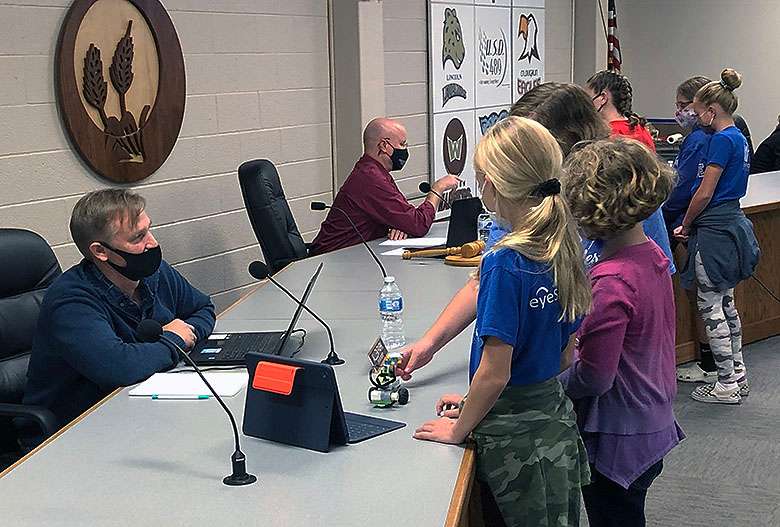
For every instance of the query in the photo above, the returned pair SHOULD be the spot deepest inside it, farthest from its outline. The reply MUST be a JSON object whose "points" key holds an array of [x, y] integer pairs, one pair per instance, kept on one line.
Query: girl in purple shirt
{"points": [[622, 379]]}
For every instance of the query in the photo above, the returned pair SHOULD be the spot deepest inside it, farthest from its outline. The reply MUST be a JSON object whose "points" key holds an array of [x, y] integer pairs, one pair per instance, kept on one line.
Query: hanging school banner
{"points": [[482, 56]]}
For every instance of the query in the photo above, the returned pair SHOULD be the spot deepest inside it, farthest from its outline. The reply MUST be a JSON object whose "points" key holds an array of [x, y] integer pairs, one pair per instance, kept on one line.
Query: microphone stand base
{"points": [[333, 360], [237, 480]]}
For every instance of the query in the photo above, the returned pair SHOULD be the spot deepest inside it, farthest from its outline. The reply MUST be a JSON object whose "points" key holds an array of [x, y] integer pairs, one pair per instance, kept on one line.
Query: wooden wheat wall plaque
{"points": [[120, 84]]}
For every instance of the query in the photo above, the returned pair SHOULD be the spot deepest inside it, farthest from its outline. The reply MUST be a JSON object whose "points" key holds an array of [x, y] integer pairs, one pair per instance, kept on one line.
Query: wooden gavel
{"points": [[467, 250]]}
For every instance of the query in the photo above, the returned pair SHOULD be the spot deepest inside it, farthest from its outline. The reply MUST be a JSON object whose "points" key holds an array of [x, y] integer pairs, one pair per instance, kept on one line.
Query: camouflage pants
{"points": [[531, 456], [721, 324]]}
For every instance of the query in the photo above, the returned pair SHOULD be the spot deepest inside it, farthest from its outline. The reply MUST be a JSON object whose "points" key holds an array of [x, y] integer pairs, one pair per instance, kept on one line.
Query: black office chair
{"points": [[270, 215], [27, 267]]}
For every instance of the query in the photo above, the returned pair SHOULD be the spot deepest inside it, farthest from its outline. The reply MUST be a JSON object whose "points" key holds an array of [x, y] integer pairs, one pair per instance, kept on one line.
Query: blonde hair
{"points": [[519, 155], [722, 91], [613, 184]]}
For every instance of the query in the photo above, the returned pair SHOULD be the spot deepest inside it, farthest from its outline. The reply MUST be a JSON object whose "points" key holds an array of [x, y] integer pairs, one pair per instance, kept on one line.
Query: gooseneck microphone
{"points": [[319, 205], [151, 331], [259, 271], [426, 187]]}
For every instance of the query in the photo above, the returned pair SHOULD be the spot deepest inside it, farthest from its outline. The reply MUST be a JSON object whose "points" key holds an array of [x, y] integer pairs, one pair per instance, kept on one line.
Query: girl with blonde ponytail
{"points": [[722, 248], [532, 293]]}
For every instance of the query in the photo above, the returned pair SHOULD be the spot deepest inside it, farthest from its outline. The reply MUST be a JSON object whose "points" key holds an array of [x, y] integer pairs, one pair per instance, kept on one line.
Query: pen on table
{"points": [[156, 396]]}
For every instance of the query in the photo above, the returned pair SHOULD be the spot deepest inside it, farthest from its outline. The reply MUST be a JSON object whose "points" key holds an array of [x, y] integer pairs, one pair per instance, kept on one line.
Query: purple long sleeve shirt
{"points": [[622, 380]]}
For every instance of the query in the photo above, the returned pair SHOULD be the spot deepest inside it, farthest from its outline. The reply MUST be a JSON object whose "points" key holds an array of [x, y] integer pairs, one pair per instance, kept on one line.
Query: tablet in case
{"points": [[297, 402]]}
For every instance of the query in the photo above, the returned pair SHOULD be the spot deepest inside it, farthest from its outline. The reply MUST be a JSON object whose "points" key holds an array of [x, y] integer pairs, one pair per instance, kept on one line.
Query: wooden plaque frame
{"points": [[150, 139]]}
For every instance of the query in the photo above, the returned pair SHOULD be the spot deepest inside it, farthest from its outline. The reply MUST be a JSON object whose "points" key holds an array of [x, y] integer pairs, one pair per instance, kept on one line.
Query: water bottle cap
{"points": [[389, 279]]}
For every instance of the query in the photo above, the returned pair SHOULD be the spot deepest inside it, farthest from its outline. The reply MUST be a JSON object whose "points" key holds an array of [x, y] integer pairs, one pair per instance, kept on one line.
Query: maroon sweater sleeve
{"points": [[384, 203]]}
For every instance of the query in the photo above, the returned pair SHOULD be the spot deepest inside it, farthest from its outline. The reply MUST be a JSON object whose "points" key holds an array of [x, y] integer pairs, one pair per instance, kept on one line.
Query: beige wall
{"points": [[406, 83], [406, 72], [666, 41], [257, 87]]}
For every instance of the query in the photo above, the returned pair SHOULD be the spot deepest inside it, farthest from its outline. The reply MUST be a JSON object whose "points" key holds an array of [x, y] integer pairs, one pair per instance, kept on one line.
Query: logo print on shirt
{"points": [[543, 298]]}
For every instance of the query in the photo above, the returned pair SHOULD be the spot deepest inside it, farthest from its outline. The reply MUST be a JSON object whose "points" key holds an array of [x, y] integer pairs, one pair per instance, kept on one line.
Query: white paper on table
{"points": [[415, 243], [394, 252], [188, 384]]}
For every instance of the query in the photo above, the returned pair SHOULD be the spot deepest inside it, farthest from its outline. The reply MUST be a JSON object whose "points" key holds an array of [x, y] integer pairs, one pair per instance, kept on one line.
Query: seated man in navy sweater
{"points": [[85, 345]]}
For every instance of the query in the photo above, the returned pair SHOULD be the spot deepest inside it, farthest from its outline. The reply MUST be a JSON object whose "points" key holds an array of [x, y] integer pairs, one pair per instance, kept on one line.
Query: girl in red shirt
{"points": [[611, 94]]}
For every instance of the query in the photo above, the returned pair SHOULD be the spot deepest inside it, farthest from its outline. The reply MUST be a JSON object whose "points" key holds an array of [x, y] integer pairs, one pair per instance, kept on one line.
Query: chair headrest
{"points": [[26, 262], [261, 179]]}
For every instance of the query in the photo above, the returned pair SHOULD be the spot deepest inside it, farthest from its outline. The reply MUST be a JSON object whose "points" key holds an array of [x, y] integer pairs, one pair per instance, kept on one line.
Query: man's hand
{"points": [[183, 330], [446, 183], [448, 405], [441, 430], [395, 234], [413, 357], [681, 233]]}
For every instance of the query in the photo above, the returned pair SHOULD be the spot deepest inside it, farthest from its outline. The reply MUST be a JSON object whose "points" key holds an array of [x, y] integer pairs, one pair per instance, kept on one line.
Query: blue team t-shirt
{"points": [[654, 228], [692, 154], [729, 150], [518, 304]]}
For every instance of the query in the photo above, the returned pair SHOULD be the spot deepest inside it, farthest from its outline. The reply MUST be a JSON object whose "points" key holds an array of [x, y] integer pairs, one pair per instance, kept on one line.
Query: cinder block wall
{"points": [[257, 87]]}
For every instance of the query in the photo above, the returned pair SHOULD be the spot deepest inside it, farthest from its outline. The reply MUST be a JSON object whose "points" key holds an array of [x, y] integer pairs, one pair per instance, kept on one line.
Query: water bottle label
{"points": [[391, 304]]}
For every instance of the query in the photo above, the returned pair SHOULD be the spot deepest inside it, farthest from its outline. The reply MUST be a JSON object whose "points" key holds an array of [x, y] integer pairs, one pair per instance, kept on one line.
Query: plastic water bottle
{"points": [[391, 308], [484, 224]]}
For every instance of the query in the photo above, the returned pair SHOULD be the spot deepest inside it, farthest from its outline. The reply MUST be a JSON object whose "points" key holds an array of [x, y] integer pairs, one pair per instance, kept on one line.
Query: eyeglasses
{"points": [[682, 105]]}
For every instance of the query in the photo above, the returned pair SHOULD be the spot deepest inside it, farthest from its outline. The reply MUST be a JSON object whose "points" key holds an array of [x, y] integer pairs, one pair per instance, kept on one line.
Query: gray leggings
{"points": [[721, 324]]}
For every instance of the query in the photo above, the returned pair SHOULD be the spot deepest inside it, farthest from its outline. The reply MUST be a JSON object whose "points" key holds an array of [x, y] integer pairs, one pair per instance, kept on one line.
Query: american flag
{"points": [[614, 57]]}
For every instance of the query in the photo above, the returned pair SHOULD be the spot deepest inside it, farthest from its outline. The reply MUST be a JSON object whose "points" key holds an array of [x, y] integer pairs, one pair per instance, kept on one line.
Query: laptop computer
{"points": [[297, 402], [230, 349]]}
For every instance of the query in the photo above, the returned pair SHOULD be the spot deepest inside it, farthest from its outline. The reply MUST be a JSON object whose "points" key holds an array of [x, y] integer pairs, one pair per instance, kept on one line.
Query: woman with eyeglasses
{"points": [[692, 151]]}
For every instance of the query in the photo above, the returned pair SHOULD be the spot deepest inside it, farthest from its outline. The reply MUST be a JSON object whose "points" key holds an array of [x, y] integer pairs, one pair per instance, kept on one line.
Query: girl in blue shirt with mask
{"points": [[722, 249], [692, 151]]}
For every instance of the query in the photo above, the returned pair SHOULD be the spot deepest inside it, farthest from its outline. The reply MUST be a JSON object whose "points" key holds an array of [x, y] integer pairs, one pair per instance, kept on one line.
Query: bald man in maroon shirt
{"points": [[371, 198]]}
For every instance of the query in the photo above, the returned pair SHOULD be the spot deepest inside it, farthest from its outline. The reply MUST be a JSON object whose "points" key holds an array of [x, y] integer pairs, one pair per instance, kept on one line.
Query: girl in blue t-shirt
{"points": [[722, 248], [533, 290], [692, 151]]}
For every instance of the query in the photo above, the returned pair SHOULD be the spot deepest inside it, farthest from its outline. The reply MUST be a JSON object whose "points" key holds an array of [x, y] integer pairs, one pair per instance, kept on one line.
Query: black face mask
{"points": [[139, 265], [398, 158]]}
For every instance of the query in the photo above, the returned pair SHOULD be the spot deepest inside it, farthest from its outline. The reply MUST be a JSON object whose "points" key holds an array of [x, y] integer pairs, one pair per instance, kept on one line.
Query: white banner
{"points": [[482, 56]]}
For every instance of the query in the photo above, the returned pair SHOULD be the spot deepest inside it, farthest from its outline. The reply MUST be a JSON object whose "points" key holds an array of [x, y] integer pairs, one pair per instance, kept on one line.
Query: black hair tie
{"points": [[551, 187]]}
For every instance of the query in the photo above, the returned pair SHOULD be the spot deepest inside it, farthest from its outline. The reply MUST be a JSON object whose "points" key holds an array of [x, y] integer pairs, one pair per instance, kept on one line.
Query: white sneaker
{"points": [[718, 393], [692, 372]]}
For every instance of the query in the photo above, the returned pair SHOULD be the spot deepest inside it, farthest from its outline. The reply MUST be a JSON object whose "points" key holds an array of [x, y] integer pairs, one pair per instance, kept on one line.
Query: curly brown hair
{"points": [[613, 184]]}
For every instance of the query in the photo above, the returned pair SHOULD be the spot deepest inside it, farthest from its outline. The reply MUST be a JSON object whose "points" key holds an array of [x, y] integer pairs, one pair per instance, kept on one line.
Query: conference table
{"points": [[138, 461]]}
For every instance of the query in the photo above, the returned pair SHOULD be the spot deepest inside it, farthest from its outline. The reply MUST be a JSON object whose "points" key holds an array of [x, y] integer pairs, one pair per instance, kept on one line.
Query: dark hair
{"points": [[619, 87], [689, 87], [565, 110], [94, 215], [722, 91]]}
